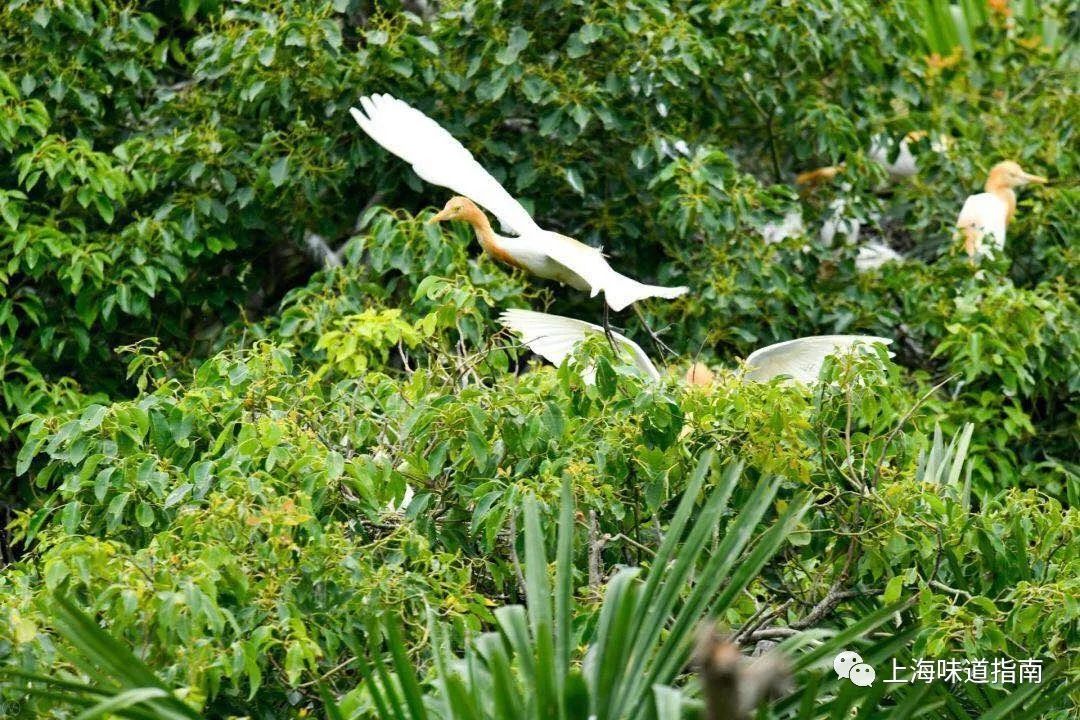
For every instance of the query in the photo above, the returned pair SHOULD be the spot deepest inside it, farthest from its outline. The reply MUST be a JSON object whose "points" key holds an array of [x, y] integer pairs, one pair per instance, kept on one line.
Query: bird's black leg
{"points": [[607, 328], [660, 346]]}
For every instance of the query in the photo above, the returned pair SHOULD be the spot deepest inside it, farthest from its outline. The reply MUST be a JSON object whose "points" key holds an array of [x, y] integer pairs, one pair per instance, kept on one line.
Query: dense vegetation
{"points": [[230, 344]]}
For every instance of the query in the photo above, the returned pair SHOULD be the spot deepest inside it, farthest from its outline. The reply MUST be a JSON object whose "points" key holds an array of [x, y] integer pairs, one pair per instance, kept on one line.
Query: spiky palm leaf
{"points": [[120, 684]]}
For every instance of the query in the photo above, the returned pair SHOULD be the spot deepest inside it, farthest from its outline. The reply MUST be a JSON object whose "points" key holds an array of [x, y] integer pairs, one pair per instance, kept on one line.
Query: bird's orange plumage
{"points": [[462, 208]]}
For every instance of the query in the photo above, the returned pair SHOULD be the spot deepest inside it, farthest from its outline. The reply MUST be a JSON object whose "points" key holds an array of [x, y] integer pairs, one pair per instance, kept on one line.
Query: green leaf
{"points": [[573, 178], [189, 7], [144, 514], [279, 171], [893, 590], [122, 701], [92, 417], [518, 40]]}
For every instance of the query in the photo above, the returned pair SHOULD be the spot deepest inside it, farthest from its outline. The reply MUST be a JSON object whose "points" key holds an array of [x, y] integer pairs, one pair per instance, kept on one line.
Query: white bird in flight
{"points": [[437, 157], [553, 337], [987, 214]]}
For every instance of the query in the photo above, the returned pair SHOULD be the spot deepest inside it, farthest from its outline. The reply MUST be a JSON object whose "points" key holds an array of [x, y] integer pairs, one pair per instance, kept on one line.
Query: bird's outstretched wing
{"points": [[553, 337], [438, 157], [802, 358]]}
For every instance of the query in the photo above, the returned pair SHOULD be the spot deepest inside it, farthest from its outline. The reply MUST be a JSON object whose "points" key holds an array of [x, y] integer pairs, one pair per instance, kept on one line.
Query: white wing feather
{"points": [[987, 214], [802, 358], [553, 337], [437, 157]]}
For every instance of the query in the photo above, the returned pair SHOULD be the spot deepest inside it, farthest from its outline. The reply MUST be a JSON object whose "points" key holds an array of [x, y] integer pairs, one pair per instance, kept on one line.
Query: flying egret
{"points": [[437, 157], [553, 338], [986, 214]]}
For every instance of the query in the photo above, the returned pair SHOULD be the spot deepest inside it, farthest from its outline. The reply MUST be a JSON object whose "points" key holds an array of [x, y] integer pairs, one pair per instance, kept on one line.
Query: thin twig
{"points": [[631, 541], [903, 421], [340, 666], [514, 556], [596, 544], [768, 118], [951, 590]]}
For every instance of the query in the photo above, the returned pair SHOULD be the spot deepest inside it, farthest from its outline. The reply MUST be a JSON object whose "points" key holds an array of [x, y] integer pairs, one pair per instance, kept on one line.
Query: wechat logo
{"points": [[849, 665]]}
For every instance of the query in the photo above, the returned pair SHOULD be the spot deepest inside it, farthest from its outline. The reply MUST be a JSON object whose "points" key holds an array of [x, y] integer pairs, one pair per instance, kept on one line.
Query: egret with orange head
{"points": [[985, 216], [440, 159]]}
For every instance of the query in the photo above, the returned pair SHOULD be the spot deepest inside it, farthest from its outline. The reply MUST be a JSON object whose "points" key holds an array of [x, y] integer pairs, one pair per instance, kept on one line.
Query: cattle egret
{"points": [[987, 214], [554, 337], [437, 157], [874, 254], [793, 225], [840, 222], [902, 167]]}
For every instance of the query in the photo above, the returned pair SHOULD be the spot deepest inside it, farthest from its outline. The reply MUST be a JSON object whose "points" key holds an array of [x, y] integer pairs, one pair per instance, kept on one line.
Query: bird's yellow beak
{"points": [[1037, 179], [438, 217]]}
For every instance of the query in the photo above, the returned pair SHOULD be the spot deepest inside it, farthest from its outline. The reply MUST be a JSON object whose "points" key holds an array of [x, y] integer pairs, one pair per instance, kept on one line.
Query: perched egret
{"points": [[874, 254], [789, 226], [904, 165], [900, 168], [792, 225], [440, 159], [987, 214], [553, 338]]}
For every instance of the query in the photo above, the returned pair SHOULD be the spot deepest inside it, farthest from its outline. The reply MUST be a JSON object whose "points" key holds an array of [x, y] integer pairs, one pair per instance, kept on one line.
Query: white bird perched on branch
{"points": [[553, 337], [987, 214], [901, 168], [874, 254], [440, 159]]}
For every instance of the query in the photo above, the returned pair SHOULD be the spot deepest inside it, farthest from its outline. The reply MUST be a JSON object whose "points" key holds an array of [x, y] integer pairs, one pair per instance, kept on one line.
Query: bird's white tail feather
{"points": [[621, 291]]}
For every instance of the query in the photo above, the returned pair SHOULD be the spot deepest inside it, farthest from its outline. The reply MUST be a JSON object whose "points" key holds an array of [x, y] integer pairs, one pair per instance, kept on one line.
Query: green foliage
{"points": [[622, 665], [267, 433]]}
